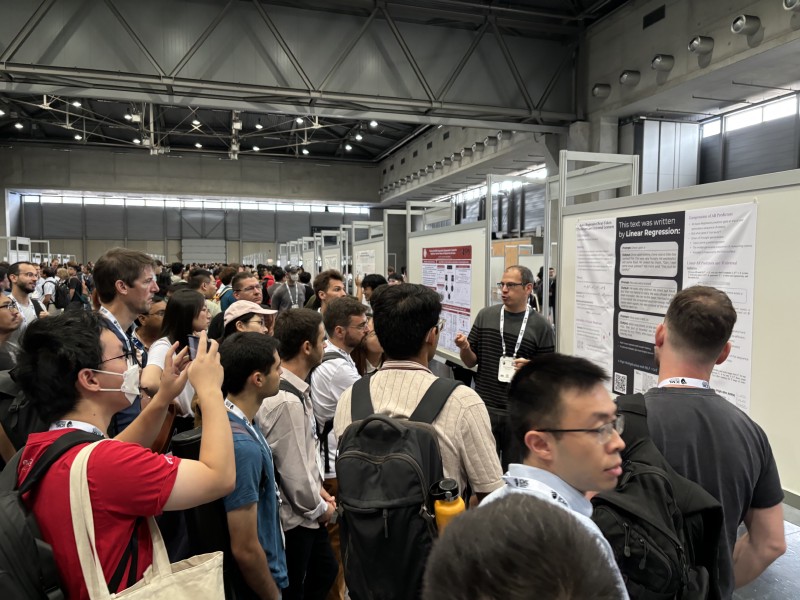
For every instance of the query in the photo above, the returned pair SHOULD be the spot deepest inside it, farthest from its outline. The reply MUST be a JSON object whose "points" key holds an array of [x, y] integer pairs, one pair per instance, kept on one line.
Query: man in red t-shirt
{"points": [[73, 369]]}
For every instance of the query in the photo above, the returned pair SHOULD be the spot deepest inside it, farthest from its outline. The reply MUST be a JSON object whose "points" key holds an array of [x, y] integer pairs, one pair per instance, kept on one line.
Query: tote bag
{"points": [[196, 578]]}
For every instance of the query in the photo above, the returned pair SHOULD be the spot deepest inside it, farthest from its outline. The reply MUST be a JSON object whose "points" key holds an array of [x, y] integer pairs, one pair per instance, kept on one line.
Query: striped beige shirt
{"points": [[465, 434]]}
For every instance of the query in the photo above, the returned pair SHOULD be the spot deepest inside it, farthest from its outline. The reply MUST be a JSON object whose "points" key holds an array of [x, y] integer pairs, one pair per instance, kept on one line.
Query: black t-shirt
{"points": [[75, 284], [710, 441]]}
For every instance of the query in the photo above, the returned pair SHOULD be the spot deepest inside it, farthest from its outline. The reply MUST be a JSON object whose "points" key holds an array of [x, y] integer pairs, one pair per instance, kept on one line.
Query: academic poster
{"points": [[448, 271]]}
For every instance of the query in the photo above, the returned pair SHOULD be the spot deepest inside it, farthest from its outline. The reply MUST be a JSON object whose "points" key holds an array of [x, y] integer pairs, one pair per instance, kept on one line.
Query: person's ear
{"points": [[239, 325], [723, 356], [540, 445], [661, 334], [87, 380], [120, 287], [257, 378]]}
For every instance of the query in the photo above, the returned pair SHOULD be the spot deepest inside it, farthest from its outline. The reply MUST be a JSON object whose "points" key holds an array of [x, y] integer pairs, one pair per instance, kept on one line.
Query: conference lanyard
{"points": [[296, 294], [70, 424], [532, 485], [521, 330], [687, 381], [110, 317]]}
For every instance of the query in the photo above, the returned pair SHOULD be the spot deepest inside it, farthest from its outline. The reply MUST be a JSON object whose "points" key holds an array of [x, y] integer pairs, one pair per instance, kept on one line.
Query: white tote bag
{"points": [[197, 578]]}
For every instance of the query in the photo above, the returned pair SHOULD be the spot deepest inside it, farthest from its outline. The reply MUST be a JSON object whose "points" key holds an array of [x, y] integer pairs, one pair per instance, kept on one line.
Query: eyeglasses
{"points": [[604, 433], [361, 326], [249, 288], [259, 322], [158, 313], [11, 306], [130, 357], [508, 284]]}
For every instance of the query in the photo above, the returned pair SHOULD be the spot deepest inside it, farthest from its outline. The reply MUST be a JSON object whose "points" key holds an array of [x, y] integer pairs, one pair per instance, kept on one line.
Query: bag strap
{"points": [[131, 554], [50, 456], [288, 387], [434, 400], [37, 306], [361, 400], [634, 407]]}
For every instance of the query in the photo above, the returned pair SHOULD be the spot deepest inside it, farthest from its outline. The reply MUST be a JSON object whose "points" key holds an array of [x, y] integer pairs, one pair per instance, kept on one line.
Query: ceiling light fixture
{"points": [[196, 122], [373, 123], [701, 44], [76, 104], [601, 90], [128, 116], [745, 25], [359, 137], [18, 125], [299, 120], [78, 136], [305, 151], [256, 148], [662, 62], [2, 113], [630, 78], [348, 147], [259, 125], [137, 141], [198, 145]]}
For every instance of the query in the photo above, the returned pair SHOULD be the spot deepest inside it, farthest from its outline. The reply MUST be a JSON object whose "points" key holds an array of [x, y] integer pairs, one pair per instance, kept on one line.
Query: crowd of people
{"points": [[265, 359]]}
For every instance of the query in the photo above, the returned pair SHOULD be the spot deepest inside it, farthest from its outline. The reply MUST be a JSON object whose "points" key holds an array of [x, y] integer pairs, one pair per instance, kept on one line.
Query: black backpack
{"points": [[385, 470], [27, 567], [664, 529], [61, 295], [18, 416]]}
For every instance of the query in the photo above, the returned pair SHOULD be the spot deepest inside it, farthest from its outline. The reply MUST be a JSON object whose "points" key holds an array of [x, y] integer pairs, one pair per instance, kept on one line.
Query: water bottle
{"points": [[447, 502]]}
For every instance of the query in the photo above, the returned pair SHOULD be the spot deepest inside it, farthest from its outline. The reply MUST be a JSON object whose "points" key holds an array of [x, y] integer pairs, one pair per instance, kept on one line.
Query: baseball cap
{"points": [[244, 307], [291, 269]]}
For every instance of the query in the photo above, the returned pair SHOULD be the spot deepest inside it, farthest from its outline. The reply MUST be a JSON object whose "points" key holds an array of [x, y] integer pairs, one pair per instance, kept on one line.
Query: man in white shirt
{"points": [[23, 278], [345, 321], [567, 424]]}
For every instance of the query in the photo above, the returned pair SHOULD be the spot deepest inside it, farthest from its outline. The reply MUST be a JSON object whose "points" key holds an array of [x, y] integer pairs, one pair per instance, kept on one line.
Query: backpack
{"points": [[18, 416], [327, 426], [61, 295], [385, 470], [664, 528], [27, 565]]}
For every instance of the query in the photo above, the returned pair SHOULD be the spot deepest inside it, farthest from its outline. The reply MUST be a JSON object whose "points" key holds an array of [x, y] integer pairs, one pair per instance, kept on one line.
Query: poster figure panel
{"points": [[629, 268], [448, 271], [365, 262]]}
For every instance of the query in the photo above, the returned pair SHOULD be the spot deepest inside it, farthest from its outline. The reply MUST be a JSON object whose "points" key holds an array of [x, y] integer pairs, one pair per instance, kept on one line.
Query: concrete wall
{"points": [[193, 176]]}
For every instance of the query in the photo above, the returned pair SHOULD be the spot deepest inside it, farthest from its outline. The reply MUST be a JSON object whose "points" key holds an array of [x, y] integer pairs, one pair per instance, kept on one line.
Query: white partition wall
{"points": [[308, 254], [331, 251], [733, 235], [368, 248]]}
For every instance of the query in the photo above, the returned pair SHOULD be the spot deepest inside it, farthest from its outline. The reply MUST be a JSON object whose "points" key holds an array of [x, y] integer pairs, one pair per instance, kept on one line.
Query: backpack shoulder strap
{"points": [[50, 456], [37, 306], [361, 400], [434, 400], [635, 410], [288, 387], [331, 355]]}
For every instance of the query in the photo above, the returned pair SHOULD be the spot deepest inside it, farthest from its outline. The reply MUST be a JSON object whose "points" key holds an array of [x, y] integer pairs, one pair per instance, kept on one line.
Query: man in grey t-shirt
{"points": [[709, 440]]}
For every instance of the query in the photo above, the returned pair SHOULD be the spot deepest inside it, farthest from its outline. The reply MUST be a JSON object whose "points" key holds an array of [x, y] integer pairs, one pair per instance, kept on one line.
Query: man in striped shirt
{"points": [[503, 338]]}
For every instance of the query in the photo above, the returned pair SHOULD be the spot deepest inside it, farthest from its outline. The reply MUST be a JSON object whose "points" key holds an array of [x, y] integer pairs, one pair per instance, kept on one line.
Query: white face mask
{"points": [[294, 277], [130, 382]]}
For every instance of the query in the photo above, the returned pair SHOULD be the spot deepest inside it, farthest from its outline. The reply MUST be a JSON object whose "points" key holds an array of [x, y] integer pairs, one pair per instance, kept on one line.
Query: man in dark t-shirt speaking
{"points": [[709, 440], [502, 339]]}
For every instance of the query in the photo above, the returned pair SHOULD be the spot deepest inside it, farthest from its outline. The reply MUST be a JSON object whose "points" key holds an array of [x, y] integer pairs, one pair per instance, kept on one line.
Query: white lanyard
{"points": [[113, 320], [69, 424], [521, 330], [524, 483], [296, 294], [687, 381]]}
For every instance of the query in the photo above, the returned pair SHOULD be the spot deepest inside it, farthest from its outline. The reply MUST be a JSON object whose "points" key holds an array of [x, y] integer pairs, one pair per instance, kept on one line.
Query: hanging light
{"points": [[373, 123], [256, 148], [198, 145], [305, 151]]}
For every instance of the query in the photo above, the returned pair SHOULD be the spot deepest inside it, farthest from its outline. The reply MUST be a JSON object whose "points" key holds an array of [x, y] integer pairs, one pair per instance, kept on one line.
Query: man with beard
{"points": [[23, 277], [126, 283]]}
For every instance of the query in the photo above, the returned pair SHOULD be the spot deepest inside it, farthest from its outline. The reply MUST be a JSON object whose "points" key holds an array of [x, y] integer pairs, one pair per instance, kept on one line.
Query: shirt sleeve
{"points": [[474, 337], [287, 439], [477, 449], [131, 480], [248, 475], [328, 382], [768, 491], [157, 355]]}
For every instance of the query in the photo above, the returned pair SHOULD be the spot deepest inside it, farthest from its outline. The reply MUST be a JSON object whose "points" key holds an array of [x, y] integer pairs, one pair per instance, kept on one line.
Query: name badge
{"points": [[506, 371], [294, 306]]}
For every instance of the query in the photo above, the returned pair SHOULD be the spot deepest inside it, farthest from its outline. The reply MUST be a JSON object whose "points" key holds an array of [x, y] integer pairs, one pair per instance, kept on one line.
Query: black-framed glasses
{"points": [[604, 433], [130, 357], [249, 288], [10, 306], [508, 284]]}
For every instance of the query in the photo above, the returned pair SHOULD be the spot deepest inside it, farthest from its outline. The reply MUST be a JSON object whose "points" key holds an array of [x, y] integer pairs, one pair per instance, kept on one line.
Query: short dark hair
{"points": [[177, 268], [339, 312], [13, 269], [294, 327], [323, 280], [240, 277], [373, 280], [524, 273], [241, 354], [279, 274], [118, 264], [402, 316], [535, 392], [700, 320], [182, 309], [519, 547], [197, 277], [395, 277], [53, 351], [305, 277]]}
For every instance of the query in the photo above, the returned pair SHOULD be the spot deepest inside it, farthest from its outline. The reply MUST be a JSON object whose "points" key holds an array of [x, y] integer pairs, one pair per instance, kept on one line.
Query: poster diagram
{"points": [[365, 262], [331, 261], [448, 270], [628, 269]]}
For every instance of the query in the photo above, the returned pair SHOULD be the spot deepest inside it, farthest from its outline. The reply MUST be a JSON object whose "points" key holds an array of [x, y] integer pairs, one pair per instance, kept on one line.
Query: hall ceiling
{"points": [[339, 79]]}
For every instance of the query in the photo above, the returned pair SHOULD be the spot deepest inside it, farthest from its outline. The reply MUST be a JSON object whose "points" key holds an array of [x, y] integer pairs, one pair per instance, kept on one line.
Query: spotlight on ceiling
{"points": [[630, 78], [299, 120], [18, 125], [359, 137], [76, 104], [78, 136], [198, 145], [259, 125], [256, 148], [373, 123], [305, 151], [128, 117], [601, 90], [791, 5], [701, 44], [137, 141], [662, 62], [196, 122], [745, 25], [348, 147]]}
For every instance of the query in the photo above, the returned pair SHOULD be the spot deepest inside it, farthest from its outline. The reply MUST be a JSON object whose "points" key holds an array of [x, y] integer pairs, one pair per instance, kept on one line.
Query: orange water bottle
{"points": [[448, 504]]}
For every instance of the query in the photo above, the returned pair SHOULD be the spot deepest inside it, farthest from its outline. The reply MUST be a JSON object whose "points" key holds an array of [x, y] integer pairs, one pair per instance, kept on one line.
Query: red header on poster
{"points": [[447, 253]]}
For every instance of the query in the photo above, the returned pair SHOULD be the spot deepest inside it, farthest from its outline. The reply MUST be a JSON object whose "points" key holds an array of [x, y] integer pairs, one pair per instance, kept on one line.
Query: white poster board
{"points": [[331, 258], [454, 262], [308, 261], [369, 257]]}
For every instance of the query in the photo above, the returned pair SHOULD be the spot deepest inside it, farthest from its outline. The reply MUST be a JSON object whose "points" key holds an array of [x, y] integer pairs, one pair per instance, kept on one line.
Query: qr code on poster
{"points": [[620, 383]]}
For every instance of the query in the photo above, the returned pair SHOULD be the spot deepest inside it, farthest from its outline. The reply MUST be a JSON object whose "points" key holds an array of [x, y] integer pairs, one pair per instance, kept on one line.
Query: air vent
{"points": [[654, 17]]}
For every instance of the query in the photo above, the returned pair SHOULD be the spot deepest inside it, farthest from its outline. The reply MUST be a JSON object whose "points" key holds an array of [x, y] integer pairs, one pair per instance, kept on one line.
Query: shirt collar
{"points": [[298, 383], [574, 498], [405, 365]]}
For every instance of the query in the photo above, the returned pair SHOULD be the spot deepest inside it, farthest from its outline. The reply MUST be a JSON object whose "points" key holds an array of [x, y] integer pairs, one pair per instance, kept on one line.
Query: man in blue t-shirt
{"points": [[252, 372]]}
